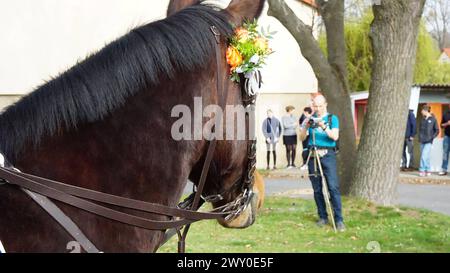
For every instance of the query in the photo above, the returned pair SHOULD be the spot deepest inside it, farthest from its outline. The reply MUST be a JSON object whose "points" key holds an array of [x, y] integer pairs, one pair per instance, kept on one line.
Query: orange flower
{"points": [[262, 43], [234, 58], [242, 33]]}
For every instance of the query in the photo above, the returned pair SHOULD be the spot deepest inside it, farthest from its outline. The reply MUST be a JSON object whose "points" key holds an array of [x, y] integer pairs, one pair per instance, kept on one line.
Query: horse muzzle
{"points": [[246, 218]]}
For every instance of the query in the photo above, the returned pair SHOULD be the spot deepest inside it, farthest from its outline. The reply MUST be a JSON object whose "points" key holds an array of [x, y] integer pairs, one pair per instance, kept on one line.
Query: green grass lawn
{"points": [[288, 225]]}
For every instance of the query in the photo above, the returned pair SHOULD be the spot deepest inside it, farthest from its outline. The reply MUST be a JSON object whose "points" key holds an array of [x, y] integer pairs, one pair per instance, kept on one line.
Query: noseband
{"points": [[41, 189]]}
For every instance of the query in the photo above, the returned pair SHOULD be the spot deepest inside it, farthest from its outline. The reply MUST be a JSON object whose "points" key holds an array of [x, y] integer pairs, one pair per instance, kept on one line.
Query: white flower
{"points": [[254, 59], [239, 69]]}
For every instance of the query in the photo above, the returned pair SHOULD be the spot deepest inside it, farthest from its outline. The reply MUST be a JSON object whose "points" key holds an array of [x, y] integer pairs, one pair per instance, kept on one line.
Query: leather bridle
{"points": [[181, 216]]}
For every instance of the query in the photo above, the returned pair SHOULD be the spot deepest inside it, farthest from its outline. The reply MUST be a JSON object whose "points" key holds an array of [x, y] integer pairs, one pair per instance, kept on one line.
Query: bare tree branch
{"points": [[437, 17]]}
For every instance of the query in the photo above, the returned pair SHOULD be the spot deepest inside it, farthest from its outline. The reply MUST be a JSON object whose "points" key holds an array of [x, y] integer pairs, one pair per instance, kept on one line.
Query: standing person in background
{"points": [[429, 130], [408, 143], [289, 122], [272, 130], [307, 113], [445, 124], [326, 130]]}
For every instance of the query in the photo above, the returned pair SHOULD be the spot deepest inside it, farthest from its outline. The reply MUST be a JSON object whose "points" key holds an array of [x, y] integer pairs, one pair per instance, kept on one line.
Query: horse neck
{"points": [[130, 152]]}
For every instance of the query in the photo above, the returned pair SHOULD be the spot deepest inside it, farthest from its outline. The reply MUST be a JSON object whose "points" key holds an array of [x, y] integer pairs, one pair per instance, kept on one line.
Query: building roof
{"points": [[446, 51], [432, 85], [361, 95], [424, 86], [311, 3]]}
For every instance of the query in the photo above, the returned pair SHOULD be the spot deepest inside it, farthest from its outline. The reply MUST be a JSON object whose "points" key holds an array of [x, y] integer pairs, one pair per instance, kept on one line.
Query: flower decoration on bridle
{"points": [[248, 49]]}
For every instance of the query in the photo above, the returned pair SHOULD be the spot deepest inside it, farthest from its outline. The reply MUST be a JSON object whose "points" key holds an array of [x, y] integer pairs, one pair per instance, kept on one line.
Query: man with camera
{"points": [[323, 129]]}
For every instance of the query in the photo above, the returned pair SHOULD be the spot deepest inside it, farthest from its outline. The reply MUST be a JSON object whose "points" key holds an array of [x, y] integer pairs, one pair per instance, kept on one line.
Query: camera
{"points": [[314, 122]]}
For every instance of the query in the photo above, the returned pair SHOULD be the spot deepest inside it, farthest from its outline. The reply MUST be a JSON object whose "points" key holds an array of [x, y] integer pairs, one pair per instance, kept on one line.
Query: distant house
{"points": [[435, 95], [312, 3], [445, 56]]}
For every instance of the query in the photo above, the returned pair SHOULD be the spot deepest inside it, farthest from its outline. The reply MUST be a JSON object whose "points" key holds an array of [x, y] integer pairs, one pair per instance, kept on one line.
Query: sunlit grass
{"points": [[288, 225]]}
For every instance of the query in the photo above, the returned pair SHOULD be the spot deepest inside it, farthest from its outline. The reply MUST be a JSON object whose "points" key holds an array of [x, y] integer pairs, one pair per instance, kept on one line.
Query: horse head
{"points": [[230, 182]]}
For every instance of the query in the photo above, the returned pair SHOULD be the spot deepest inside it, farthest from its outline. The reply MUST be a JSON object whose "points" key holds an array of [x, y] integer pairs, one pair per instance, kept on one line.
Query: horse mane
{"points": [[101, 83]]}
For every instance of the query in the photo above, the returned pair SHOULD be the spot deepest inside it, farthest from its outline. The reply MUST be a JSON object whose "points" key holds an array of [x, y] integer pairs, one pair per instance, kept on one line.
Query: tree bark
{"points": [[394, 34], [331, 73]]}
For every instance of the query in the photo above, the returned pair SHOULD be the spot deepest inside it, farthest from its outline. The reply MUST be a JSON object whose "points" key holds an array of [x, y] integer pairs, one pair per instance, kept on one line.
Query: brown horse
{"points": [[105, 125]]}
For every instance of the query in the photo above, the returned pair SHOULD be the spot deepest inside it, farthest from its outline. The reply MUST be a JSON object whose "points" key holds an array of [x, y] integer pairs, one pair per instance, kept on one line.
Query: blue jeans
{"points": [[330, 172], [425, 150], [446, 148]]}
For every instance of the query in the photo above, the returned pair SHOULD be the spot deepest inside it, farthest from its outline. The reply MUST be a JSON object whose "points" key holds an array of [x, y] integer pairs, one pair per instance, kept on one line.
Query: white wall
{"points": [[444, 58], [41, 38], [277, 103], [287, 71], [436, 154], [288, 80]]}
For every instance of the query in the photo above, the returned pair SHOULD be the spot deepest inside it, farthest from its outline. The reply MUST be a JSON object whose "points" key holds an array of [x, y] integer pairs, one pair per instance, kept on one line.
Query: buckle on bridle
{"points": [[239, 205], [216, 33], [212, 198]]}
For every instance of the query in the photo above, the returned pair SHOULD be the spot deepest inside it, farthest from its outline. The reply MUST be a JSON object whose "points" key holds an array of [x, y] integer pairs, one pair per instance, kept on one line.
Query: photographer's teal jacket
{"points": [[322, 139]]}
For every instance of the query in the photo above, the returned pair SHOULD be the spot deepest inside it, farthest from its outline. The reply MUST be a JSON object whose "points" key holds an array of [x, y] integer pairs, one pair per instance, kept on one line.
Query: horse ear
{"points": [[177, 5], [241, 10]]}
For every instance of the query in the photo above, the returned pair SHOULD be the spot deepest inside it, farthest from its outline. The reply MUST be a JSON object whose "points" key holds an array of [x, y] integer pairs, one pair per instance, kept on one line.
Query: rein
{"points": [[183, 215]]}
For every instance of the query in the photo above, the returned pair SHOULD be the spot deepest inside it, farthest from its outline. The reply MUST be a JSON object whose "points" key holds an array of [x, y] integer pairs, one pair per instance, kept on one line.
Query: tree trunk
{"points": [[331, 73], [394, 34]]}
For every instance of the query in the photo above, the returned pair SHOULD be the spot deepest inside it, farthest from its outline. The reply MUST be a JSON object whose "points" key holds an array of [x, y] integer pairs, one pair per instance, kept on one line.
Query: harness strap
{"points": [[63, 220], [122, 201], [13, 178], [59, 216]]}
